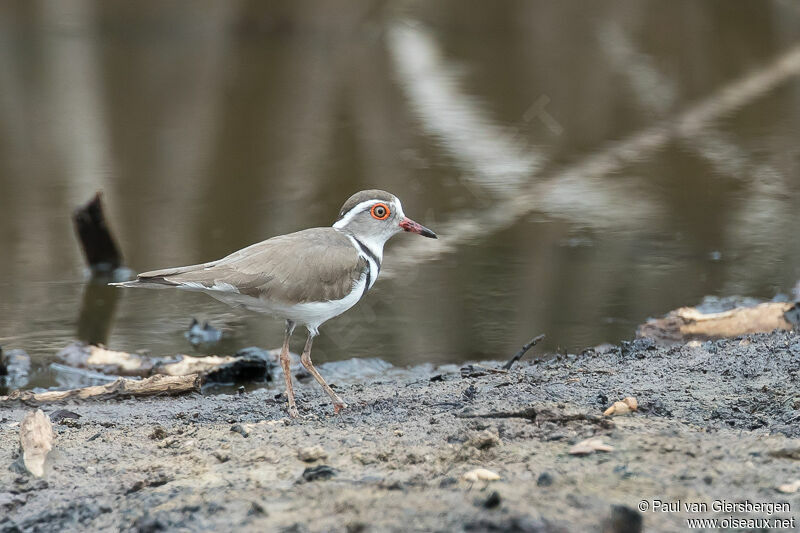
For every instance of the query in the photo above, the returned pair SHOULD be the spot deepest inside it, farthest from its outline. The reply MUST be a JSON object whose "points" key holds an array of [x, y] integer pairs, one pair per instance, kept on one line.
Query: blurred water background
{"points": [[586, 164]]}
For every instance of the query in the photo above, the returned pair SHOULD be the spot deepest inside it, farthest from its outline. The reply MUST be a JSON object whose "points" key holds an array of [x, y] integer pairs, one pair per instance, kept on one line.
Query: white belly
{"points": [[309, 314]]}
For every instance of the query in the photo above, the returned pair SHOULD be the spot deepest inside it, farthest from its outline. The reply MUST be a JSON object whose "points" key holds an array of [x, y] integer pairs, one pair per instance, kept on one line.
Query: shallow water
{"points": [[586, 165]]}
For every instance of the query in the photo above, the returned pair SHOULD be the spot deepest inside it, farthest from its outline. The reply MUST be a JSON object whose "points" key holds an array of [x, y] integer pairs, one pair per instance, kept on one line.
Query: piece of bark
{"points": [[101, 359], [36, 441], [687, 323], [98, 245], [121, 388]]}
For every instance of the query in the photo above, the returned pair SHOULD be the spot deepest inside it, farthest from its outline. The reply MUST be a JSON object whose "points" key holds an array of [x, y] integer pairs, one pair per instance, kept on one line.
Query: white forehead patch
{"points": [[358, 208]]}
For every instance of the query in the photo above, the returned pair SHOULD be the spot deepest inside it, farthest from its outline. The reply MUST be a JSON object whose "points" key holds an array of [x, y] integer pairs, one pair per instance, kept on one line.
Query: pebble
{"points": [[158, 433], [484, 440], [469, 394], [241, 430], [790, 488], [61, 414], [310, 454], [588, 446], [480, 474], [492, 501], [317, 473], [545, 479], [623, 519], [623, 407]]}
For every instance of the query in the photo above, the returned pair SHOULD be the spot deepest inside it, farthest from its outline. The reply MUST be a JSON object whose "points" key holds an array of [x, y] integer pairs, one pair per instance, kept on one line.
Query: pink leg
{"points": [[287, 372], [338, 404]]}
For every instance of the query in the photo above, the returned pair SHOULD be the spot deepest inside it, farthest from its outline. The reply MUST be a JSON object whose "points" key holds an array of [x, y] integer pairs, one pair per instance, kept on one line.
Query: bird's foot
{"points": [[338, 407], [293, 412]]}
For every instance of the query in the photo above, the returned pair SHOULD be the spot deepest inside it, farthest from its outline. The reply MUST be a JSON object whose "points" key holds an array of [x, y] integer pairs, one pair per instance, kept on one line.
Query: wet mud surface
{"points": [[716, 421]]}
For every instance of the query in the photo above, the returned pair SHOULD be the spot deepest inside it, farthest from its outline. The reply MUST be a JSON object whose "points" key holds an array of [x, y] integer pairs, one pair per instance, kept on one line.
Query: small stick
{"points": [[492, 370], [519, 354]]}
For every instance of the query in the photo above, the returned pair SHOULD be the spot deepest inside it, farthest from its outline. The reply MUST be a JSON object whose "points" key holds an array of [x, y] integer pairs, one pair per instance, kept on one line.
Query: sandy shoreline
{"points": [[716, 421]]}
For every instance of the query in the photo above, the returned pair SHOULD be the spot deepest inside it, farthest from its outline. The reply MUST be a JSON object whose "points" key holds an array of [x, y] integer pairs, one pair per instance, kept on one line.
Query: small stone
{"points": [[617, 408], [589, 446], [545, 479], [448, 481], [623, 519], [484, 440], [492, 501], [256, 509], [469, 394], [623, 407], [70, 423], [240, 429], [61, 414], [221, 457], [310, 454], [158, 433], [316, 473], [790, 488], [480, 474]]}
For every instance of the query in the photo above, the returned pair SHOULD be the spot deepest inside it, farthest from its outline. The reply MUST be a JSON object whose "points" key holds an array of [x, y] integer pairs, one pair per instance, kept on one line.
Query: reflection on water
{"points": [[97, 310], [586, 165]]}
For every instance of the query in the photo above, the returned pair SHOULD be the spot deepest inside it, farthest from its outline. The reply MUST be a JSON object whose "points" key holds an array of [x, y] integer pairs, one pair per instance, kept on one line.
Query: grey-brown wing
{"points": [[314, 265]]}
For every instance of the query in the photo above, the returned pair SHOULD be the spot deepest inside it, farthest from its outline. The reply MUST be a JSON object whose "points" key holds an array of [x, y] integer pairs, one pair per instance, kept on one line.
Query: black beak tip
{"points": [[428, 233]]}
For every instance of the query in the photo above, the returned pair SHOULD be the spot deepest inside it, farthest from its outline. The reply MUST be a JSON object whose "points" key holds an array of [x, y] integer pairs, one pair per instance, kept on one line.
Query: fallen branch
{"points": [[687, 323], [121, 388], [522, 352]]}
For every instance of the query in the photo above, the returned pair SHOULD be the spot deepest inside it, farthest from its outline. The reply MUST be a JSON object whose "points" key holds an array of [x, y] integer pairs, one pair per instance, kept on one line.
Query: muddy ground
{"points": [[716, 421]]}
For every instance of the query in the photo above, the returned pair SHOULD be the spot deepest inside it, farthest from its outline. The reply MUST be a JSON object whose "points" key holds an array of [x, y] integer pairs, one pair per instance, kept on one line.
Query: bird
{"points": [[305, 278]]}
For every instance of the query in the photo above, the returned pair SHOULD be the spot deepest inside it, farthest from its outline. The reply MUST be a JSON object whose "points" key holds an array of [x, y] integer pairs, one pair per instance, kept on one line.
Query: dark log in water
{"points": [[99, 248]]}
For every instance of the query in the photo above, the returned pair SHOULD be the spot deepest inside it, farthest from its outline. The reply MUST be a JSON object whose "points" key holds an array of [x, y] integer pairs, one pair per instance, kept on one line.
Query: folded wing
{"points": [[314, 265]]}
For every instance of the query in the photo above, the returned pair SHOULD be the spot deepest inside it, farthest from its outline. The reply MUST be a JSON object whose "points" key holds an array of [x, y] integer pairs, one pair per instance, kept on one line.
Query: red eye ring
{"points": [[380, 211]]}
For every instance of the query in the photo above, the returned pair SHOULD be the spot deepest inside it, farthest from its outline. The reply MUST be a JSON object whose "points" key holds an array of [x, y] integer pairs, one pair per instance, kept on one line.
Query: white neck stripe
{"points": [[374, 268]]}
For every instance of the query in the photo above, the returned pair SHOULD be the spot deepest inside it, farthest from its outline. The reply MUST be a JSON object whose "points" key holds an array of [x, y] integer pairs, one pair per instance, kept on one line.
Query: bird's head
{"points": [[375, 216]]}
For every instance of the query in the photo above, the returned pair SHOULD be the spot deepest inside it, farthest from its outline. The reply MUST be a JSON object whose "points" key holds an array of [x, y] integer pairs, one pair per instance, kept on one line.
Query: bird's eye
{"points": [[380, 211]]}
